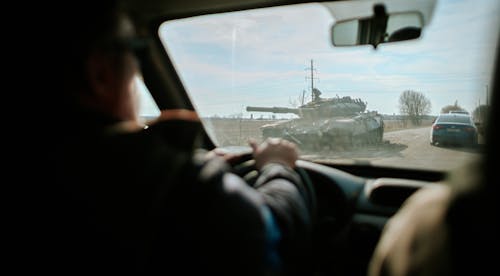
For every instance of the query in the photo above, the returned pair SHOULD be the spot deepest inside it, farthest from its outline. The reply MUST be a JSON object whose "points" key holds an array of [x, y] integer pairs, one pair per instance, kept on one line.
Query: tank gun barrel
{"points": [[274, 109]]}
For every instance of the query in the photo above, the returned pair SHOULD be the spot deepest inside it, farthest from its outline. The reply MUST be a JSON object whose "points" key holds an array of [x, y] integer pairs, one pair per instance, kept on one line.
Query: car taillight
{"points": [[436, 127], [470, 129]]}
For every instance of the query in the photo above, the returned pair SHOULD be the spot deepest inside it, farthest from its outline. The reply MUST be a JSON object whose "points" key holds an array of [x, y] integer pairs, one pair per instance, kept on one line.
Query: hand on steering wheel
{"points": [[272, 150]]}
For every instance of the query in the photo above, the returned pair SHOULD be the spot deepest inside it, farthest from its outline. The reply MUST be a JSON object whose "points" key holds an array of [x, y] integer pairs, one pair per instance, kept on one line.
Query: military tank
{"points": [[326, 123]]}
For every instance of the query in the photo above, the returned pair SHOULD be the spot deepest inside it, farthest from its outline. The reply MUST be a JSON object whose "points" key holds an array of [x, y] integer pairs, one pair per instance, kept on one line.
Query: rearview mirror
{"points": [[380, 28]]}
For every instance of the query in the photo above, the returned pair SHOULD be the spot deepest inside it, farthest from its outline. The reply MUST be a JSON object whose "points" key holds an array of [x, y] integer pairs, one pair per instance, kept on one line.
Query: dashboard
{"points": [[352, 208]]}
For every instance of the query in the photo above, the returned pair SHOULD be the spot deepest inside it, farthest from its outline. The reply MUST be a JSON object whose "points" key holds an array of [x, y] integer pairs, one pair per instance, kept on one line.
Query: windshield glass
{"points": [[453, 119], [274, 72]]}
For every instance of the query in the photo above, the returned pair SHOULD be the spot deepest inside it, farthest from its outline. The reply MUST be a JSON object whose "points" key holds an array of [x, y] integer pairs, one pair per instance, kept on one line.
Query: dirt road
{"points": [[404, 148]]}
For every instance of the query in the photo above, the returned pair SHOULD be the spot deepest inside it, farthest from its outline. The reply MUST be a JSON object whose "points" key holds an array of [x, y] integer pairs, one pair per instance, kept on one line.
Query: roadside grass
{"points": [[393, 125]]}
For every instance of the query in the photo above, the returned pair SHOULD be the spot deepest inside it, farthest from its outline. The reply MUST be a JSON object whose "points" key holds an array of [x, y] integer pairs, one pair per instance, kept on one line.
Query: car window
{"points": [[148, 109], [454, 119], [274, 72]]}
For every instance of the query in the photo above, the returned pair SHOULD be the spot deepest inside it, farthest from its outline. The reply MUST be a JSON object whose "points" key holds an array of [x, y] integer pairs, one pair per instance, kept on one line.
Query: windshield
{"points": [[273, 72]]}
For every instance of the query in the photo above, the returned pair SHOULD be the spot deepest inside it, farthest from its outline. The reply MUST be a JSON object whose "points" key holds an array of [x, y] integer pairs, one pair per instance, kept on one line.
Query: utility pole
{"points": [[312, 79], [487, 95], [480, 118]]}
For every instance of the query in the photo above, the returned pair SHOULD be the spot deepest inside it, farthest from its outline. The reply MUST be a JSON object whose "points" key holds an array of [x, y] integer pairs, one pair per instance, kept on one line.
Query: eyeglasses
{"points": [[134, 44], [138, 46]]}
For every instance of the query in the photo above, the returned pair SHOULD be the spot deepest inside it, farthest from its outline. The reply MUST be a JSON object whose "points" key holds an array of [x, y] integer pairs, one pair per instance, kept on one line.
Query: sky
{"points": [[263, 58]]}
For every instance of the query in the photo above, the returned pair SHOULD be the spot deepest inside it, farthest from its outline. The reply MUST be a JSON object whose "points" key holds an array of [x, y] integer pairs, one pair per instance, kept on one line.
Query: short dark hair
{"points": [[78, 30]]}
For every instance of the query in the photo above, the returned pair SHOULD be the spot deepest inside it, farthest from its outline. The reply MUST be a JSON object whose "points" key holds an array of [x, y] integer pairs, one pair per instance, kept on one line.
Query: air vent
{"points": [[392, 191]]}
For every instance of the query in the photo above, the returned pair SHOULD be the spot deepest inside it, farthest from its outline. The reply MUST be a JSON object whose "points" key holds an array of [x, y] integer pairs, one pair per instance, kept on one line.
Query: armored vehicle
{"points": [[326, 123]]}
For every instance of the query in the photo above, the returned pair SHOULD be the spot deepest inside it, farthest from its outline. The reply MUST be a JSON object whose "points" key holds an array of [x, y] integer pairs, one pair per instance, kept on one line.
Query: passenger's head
{"points": [[97, 61]]}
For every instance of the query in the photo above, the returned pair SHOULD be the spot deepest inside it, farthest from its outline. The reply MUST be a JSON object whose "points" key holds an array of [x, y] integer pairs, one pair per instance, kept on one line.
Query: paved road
{"points": [[405, 148]]}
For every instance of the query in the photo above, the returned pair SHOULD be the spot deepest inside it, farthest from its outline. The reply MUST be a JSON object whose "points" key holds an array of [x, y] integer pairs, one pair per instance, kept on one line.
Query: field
{"points": [[392, 125], [236, 132]]}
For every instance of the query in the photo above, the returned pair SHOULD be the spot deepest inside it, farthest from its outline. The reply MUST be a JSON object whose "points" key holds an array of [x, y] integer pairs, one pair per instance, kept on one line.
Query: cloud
{"points": [[263, 57]]}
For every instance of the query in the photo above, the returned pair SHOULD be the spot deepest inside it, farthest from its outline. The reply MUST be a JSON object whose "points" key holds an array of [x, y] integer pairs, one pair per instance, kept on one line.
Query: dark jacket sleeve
{"points": [[283, 191], [223, 226], [258, 230]]}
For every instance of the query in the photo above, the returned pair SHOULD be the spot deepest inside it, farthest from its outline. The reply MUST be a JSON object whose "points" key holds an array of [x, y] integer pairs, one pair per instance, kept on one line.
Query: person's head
{"points": [[98, 64]]}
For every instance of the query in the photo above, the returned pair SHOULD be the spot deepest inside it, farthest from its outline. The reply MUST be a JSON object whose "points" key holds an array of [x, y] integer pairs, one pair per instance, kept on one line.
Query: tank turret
{"points": [[319, 108]]}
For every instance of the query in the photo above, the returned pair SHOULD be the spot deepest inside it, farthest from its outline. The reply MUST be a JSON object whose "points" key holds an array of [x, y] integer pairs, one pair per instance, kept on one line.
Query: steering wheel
{"points": [[244, 166]]}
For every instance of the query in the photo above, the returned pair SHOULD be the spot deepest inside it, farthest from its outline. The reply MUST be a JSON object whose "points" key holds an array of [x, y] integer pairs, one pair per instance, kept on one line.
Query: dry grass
{"points": [[235, 132], [392, 125]]}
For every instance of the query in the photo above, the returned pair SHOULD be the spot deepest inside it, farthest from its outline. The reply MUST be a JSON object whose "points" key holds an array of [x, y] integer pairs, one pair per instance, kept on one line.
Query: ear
{"points": [[101, 78]]}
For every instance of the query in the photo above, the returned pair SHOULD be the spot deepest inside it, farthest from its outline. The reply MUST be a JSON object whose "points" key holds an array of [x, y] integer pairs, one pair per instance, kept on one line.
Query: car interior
{"points": [[353, 200]]}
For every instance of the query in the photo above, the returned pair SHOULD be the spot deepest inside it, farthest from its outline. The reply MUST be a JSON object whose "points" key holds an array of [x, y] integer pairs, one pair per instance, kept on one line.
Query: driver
{"points": [[136, 198]]}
